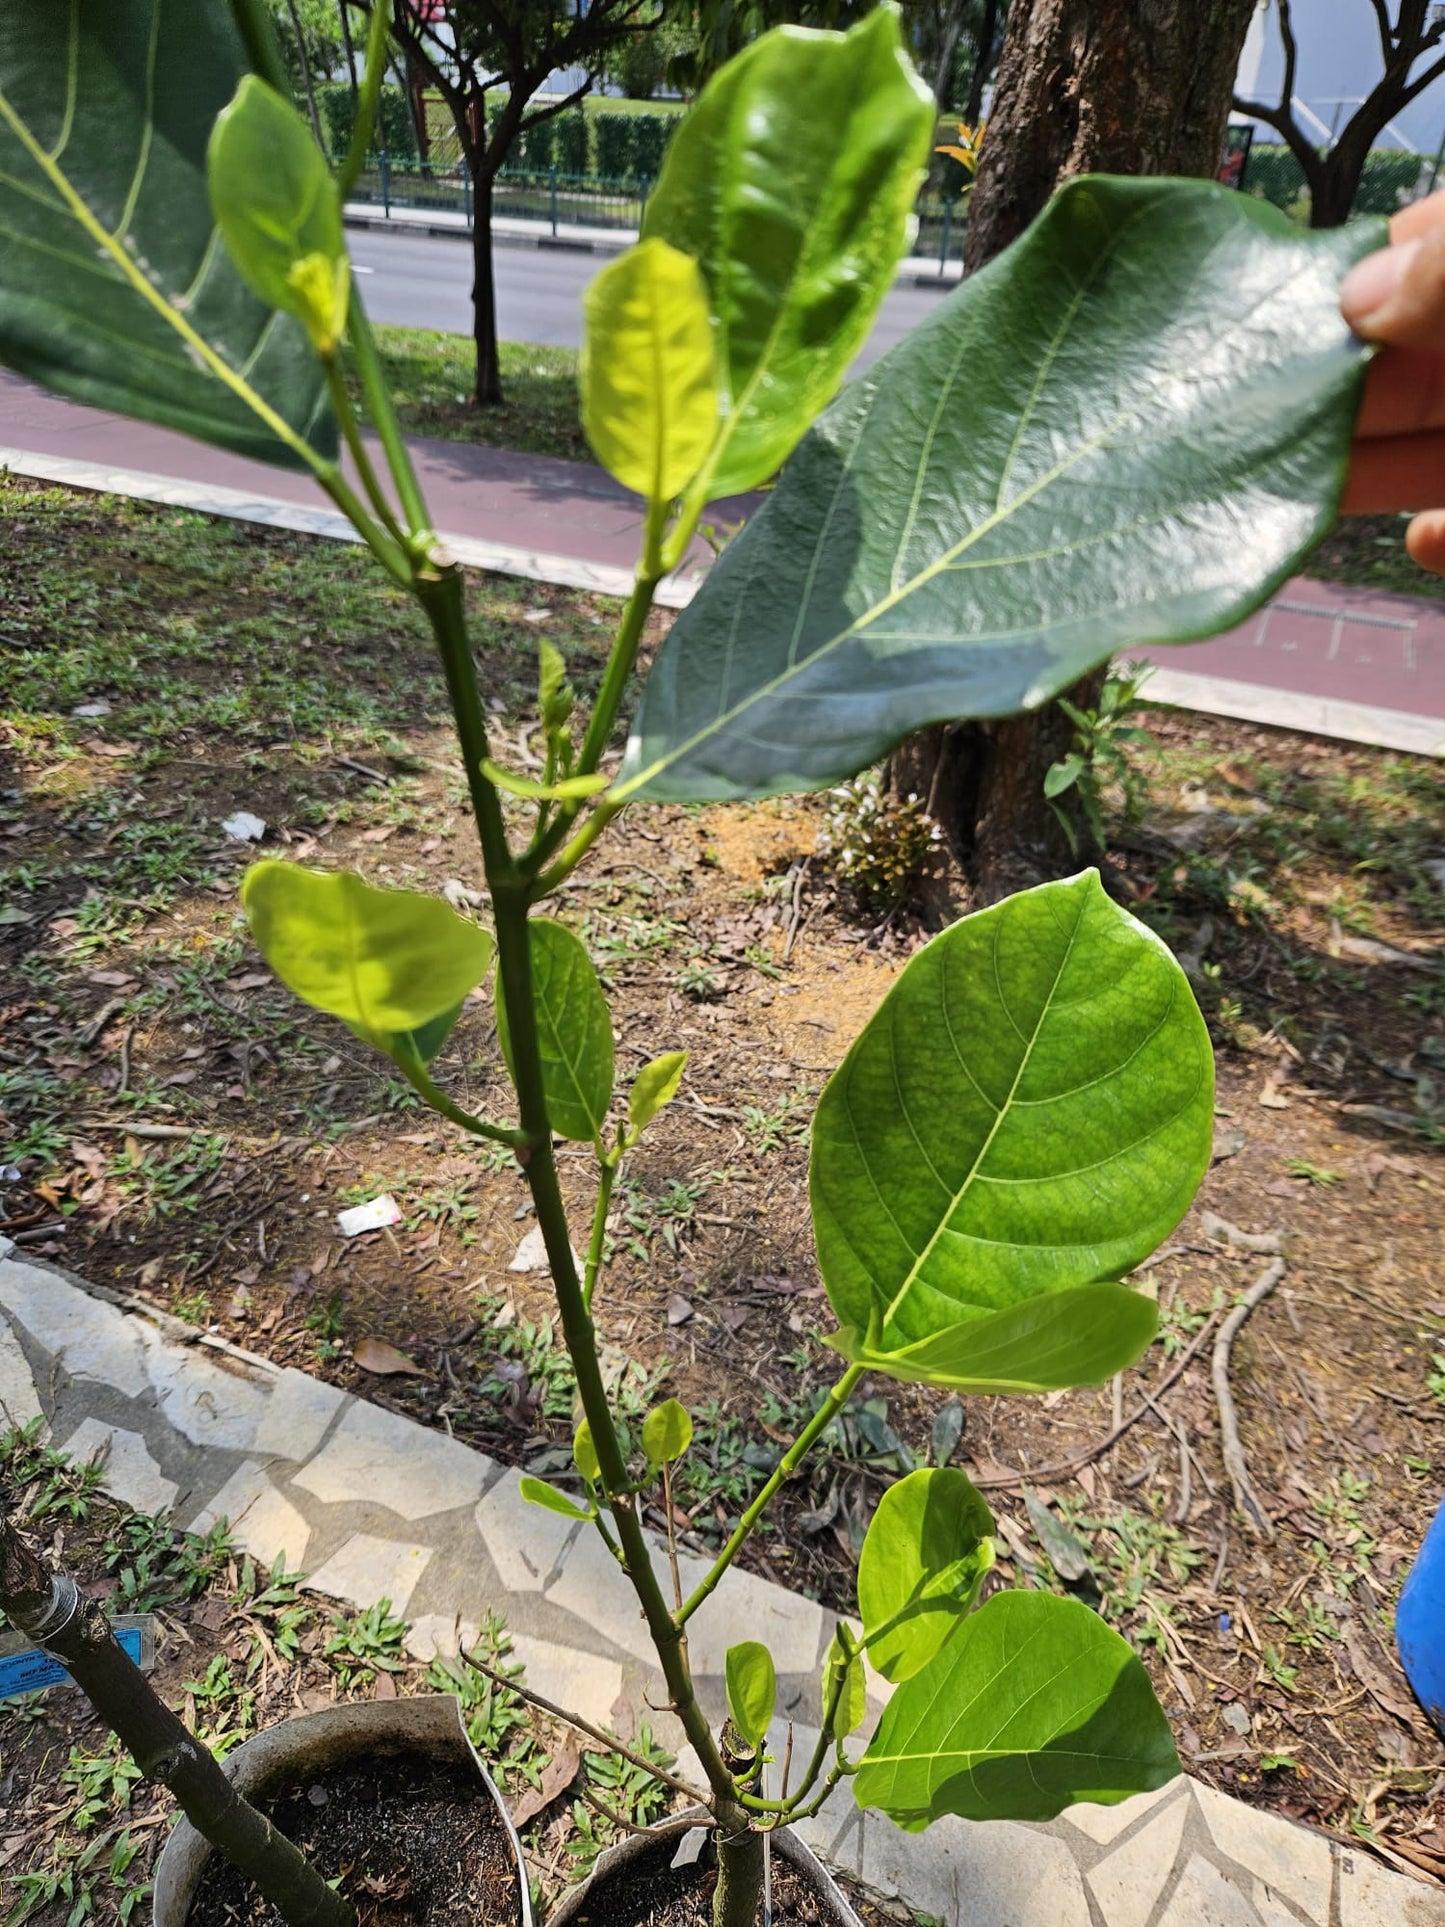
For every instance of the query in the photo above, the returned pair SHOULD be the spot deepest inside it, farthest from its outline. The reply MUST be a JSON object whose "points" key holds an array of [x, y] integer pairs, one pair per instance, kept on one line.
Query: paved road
{"points": [[425, 283]]}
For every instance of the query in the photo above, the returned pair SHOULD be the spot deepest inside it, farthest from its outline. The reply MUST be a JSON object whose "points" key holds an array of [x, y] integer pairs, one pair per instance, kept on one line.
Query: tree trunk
{"points": [[343, 9], [488, 392], [988, 28], [303, 54], [1134, 87]]}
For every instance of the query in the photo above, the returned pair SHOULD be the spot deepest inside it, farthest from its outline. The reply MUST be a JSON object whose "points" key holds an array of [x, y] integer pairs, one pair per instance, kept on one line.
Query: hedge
{"points": [[611, 146], [1275, 175], [337, 106]]}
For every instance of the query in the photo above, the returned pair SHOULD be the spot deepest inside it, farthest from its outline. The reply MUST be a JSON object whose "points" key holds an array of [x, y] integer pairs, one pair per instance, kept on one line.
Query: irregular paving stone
{"points": [[1130, 1880], [1204, 1898], [206, 1402], [131, 1474], [88, 1337], [263, 1523], [1373, 1896], [294, 1419], [524, 1541], [377, 1458], [581, 1682], [19, 1400], [1288, 1858], [440, 1636], [1107, 1823], [986, 1874], [746, 1607], [594, 1589], [367, 1569]]}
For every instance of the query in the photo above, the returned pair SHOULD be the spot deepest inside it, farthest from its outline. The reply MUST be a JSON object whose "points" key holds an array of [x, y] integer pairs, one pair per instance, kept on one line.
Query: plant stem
{"points": [[598, 1245], [383, 419], [575, 851], [48, 1609], [416, 1075], [786, 1466], [439, 589], [345, 415]]}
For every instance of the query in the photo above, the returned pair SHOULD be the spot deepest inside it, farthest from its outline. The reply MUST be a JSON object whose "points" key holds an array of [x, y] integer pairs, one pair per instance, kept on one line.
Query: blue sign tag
{"points": [[31, 1671]]}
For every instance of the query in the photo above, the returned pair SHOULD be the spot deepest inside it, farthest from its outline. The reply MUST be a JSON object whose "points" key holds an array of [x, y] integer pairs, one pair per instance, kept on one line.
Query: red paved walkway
{"points": [[1331, 647]]}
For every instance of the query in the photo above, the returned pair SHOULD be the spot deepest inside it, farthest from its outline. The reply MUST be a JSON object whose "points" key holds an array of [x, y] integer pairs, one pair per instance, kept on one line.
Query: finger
{"points": [[1397, 296], [1425, 541], [1395, 472], [1404, 393], [1419, 219]]}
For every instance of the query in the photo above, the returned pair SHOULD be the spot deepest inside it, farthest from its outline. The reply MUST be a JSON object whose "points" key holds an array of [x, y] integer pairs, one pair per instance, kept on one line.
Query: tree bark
{"points": [[343, 10], [1132, 87], [983, 55], [488, 393], [303, 54]]}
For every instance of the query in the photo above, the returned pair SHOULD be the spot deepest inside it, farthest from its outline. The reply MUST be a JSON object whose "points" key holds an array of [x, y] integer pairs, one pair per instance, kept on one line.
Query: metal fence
{"points": [[556, 200]]}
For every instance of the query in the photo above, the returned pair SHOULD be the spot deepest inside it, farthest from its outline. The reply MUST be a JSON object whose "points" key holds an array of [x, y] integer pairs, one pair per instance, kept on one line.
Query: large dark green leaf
{"points": [[1034, 1705], [106, 235], [1124, 431], [793, 181], [1029, 1112]]}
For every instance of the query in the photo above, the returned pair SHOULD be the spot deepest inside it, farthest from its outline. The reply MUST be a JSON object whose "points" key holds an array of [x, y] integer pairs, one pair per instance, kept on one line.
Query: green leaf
{"points": [[554, 693], [538, 1492], [1125, 430], [793, 179], [565, 787], [842, 1658], [584, 1454], [666, 1432], [1063, 775], [277, 208], [656, 1084], [114, 286], [648, 375], [923, 1560], [574, 1032], [394, 965], [1029, 1112], [1078, 1336], [1034, 1705], [752, 1687]]}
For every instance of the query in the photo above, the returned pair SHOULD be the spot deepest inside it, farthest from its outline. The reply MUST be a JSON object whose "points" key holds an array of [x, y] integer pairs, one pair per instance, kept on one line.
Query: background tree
{"points": [[308, 33], [1135, 87], [956, 46], [497, 54], [1333, 174]]}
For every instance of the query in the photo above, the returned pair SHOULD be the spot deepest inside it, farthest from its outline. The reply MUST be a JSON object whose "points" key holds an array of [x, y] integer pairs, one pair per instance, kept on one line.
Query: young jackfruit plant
{"points": [[1123, 432]]}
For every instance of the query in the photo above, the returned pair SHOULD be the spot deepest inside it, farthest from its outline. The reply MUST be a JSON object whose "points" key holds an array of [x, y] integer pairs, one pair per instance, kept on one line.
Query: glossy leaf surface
{"points": [[752, 1689], [1029, 1111], [1124, 431], [923, 1560], [394, 965], [574, 1032], [276, 206], [793, 180], [666, 1432], [538, 1492], [844, 1686], [109, 252], [1035, 1704], [648, 372], [656, 1084]]}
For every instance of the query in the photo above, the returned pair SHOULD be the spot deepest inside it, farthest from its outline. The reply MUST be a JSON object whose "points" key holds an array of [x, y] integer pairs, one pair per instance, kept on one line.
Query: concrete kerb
{"points": [[366, 1502]]}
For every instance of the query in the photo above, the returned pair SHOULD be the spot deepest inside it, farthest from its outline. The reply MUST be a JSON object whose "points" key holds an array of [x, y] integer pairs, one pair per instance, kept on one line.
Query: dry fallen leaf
{"points": [[558, 1774], [375, 1355]]}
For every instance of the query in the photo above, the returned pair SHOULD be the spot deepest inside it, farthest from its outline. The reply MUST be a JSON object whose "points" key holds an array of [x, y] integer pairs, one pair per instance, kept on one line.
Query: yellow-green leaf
{"points": [[656, 1084], [666, 1432], [648, 375], [752, 1689]]}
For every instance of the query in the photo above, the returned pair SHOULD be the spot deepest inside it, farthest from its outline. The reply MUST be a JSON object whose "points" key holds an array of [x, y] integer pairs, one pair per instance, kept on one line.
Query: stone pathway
{"points": [[371, 1505]]}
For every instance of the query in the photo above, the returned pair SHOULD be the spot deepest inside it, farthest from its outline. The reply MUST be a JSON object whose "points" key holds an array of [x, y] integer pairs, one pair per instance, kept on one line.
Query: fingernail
{"points": [[1371, 282]]}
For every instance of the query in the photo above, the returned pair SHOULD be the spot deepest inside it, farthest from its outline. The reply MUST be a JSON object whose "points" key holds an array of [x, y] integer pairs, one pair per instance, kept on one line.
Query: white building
{"points": [[1340, 60]]}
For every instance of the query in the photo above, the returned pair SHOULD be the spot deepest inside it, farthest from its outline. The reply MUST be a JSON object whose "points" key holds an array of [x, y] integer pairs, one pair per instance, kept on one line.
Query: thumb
{"points": [[1397, 296]]}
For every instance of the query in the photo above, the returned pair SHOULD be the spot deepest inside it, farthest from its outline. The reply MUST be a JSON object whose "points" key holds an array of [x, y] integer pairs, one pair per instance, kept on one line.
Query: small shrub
{"points": [[879, 844]]}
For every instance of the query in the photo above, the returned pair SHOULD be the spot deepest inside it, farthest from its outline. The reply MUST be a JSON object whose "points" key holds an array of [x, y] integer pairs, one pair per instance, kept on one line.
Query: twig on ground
{"points": [[1245, 1495], [605, 1740], [1266, 1244], [796, 917]]}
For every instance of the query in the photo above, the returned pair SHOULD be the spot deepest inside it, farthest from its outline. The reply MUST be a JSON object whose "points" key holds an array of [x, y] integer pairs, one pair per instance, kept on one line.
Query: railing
{"points": [[556, 200]]}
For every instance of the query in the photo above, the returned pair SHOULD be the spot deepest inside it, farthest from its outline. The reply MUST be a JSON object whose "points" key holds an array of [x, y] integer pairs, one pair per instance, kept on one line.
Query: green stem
{"points": [[390, 555], [786, 1466], [366, 102], [439, 589], [351, 434], [383, 419], [559, 872], [416, 1075], [836, 1773], [598, 1242]]}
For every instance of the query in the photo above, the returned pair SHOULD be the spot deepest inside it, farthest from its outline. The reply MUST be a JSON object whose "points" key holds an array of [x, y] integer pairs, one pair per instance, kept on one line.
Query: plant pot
{"points": [[642, 1855], [430, 1724]]}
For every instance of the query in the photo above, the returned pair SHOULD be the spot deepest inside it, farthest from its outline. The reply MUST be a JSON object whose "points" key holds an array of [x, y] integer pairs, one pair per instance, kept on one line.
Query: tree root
{"points": [[1247, 1499]]}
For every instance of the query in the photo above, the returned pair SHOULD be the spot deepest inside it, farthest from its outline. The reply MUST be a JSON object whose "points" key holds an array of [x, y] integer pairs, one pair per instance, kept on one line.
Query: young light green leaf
{"points": [[1033, 1705], [844, 1677], [114, 288], [793, 180], [648, 379], [1028, 1113], [276, 206], [584, 1453], [656, 1084], [752, 1689], [394, 965], [574, 1032], [538, 1492], [554, 693], [1093, 443], [666, 1432], [925, 1556], [565, 788]]}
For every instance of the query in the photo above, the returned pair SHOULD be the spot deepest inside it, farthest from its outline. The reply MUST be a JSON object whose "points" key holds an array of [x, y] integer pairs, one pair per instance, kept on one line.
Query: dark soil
{"points": [[652, 1893], [414, 1844]]}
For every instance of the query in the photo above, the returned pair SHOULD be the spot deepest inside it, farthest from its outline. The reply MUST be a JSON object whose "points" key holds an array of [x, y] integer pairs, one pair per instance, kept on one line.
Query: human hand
{"points": [[1397, 297]]}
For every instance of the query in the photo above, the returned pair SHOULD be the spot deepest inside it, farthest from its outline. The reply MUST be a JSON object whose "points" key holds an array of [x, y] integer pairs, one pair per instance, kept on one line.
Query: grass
{"points": [[431, 377], [1368, 552]]}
